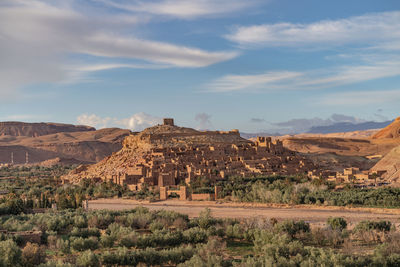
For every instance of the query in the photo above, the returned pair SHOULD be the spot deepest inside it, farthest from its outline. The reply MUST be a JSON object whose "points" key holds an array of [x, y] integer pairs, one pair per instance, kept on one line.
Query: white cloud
{"points": [[37, 37], [94, 120], [104, 45], [388, 66], [366, 29], [183, 9], [101, 67], [245, 82], [140, 121], [359, 98], [137, 122]]}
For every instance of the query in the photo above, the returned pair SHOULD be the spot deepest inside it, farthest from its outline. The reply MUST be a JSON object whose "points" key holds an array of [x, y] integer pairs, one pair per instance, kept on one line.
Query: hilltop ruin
{"points": [[168, 155]]}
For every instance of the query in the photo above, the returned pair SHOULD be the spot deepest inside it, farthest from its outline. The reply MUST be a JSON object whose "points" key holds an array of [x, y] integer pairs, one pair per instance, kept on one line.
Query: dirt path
{"points": [[315, 215]]}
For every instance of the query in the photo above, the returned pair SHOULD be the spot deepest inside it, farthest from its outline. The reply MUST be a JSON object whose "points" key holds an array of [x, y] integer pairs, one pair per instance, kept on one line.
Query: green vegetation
{"points": [[26, 188], [302, 190], [70, 236], [165, 238]]}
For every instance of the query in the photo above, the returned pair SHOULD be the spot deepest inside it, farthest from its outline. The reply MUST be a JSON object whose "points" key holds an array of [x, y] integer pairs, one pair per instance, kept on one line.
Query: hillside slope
{"points": [[390, 163], [390, 132], [14, 128], [84, 146]]}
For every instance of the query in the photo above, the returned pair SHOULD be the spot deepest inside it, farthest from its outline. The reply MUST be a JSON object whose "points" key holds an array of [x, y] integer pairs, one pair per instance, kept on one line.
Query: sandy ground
{"points": [[314, 215]]}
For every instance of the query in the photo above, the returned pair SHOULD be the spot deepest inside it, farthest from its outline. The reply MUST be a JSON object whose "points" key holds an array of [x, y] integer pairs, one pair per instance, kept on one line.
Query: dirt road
{"points": [[314, 215]]}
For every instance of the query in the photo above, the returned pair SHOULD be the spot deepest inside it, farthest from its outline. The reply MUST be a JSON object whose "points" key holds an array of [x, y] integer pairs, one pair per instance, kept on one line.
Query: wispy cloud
{"points": [[37, 37], [250, 82], [366, 29], [183, 9], [312, 79], [257, 120], [359, 98]]}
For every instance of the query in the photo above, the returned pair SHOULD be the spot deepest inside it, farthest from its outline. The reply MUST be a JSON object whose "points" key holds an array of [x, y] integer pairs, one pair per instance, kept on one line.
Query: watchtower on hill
{"points": [[169, 121]]}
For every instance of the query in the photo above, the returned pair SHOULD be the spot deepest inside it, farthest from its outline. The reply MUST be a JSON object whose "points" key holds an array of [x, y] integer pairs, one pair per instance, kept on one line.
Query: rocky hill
{"points": [[77, 144], [342, 150], [390, 132], [391, 164], [14, 128], [391, 161], [166, 155]]}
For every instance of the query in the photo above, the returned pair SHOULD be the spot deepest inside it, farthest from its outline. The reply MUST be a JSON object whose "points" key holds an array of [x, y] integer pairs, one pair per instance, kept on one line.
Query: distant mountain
{"points": [[57, 143], [254, 135], [348, 127], [15, 128]]}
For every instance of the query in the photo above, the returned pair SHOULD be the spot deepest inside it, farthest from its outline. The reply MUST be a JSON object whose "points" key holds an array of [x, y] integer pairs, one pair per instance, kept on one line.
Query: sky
{"points": [[255, 65]]}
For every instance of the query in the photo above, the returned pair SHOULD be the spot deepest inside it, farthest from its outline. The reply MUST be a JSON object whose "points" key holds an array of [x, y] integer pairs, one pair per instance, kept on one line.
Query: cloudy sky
{"points": [[255, 65]]}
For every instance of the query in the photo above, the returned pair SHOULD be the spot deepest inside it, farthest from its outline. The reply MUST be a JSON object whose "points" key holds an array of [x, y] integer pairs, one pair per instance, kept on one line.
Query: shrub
{"points": [[101, 221], [33, 255], [63, 245], [383, 226], [205, 220], [10, 254], [337, 223], [293, 228], [195, 235], [87, 259], [80, 221], [81, 244], [107, 241], [130, 240], [85, 232]]}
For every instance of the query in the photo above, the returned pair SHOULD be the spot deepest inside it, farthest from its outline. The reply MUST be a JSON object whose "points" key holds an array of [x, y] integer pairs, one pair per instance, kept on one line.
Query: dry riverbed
{"points": [[313, 214]]}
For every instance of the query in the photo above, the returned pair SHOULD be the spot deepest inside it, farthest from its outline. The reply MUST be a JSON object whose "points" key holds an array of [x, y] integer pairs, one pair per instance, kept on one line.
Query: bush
{"points": [[10, 254], [33, 255], [81, 244], [337, 223], [205, 220], [293, 228], [63, 245], [382, 226], [85, 232], [101, 221], [195, 235], [107, 241], [87, 259], [130, 240]]}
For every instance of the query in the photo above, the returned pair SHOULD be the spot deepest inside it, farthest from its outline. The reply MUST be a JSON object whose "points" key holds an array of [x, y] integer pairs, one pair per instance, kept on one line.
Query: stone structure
{"points": [[169, 121], [183, 193], [349, 175], [167, 155]]}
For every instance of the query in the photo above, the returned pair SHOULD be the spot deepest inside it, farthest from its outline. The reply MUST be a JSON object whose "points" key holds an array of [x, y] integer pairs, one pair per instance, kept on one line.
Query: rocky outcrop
{"points": [[391, 164], [392, 131], [13, 128]]}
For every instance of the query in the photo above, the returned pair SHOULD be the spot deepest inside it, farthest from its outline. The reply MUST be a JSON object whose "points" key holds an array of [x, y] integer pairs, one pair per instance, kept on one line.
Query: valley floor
{"points": [[316, 215]]}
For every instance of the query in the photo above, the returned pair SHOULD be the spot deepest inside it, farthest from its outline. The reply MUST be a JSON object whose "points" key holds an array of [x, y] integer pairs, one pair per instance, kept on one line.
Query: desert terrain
{"points": [[61, 143]]}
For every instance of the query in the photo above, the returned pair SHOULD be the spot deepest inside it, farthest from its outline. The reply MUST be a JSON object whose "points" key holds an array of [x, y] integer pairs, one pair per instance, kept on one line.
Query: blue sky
{"points": [[272, 65]]}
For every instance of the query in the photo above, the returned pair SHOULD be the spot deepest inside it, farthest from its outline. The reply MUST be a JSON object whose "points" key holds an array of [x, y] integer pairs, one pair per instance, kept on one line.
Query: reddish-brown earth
{"points": [[87, 146], [391, 131], [14, 128]]}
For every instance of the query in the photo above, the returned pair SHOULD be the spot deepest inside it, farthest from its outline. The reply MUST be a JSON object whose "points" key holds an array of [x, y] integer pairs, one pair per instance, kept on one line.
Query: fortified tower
{"points": [[169, 121]]}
